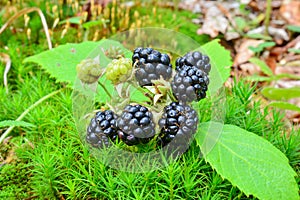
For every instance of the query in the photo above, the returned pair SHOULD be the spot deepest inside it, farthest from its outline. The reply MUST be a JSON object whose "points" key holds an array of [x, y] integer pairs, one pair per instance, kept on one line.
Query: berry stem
{"points": [[141, 90], [173, 99], [3, 136], [104, 88]]}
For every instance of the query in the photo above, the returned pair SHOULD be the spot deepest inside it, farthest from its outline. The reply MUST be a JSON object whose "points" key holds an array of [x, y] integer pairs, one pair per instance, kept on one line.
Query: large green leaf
{"points": [[281, 93], [248, 161], [221, 63], [61, 61]]}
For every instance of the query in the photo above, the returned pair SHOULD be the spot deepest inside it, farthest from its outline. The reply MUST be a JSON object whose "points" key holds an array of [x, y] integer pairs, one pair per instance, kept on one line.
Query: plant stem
{"points": [[171, 96], [140, 89], [3, 136], [268, 15], [104, 88]]}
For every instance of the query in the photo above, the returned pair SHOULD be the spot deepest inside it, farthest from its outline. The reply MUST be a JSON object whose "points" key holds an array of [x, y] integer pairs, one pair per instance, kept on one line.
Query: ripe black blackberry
{"points": [[136, 125], [102, 129], [189, 84], [178, 123], [151, 65], [196, 59]]}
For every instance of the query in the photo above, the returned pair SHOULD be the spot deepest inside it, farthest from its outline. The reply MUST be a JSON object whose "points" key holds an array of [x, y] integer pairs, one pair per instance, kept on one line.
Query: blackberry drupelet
{"points": [[136, 125], [196, 59], [102, 129], [178, 122], [189, 84], [151, 65]]}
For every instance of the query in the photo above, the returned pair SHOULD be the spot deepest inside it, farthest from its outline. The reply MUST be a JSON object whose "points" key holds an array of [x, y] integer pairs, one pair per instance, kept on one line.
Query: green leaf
{"points": [[221, 62], [263, 66], [73, 20], [7, 123], [293, 28], [91, 24], [281, 93], [262, 46], [240, 22], [248, 161], [292, 50], [285, 105], [272, 78], [258, 36], [61, 61]]}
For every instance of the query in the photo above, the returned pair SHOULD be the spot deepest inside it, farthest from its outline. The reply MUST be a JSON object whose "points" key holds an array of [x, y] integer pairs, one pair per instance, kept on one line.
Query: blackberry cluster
{"points": [[178, 122], [136, 125], [151, 65], [189, 84], [102, 129], [196, 59]]}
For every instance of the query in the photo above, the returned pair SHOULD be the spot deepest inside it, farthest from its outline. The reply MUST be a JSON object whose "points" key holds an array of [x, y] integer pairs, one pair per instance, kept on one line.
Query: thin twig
{"points": [[268, 15], [25, 11], [3, 136]]}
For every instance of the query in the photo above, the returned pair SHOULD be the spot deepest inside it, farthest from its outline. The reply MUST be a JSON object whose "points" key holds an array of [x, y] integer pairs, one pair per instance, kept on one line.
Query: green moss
{"points": [[15, 181]]}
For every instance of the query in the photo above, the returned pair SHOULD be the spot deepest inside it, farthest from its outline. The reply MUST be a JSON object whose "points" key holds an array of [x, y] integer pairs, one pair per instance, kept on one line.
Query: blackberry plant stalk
{"points": [[105, 89]]}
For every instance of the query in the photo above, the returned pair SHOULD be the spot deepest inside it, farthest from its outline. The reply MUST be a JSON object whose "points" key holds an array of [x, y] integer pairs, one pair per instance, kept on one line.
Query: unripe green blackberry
{"points": [[119, 70], [88, 71]]}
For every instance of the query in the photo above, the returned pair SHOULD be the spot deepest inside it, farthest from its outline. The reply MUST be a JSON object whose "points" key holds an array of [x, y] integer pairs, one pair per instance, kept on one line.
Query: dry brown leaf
{"points": [[215, 22], [271, 62], [243, 51], [277, 33], [287, 84], [287, 70], [249, 68], [290, 11]]}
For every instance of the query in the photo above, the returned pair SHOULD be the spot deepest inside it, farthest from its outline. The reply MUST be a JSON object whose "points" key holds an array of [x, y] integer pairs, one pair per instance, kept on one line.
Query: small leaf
{"points": [[91, 24], [257, 78], [73, 20], [263, 66], [221, 62], [281, 93], [292, 50], [240, 22], [248, 161], [293, 28], [258, 36], [272, 78], [285, 105], [262, 46], [7, 123]]}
